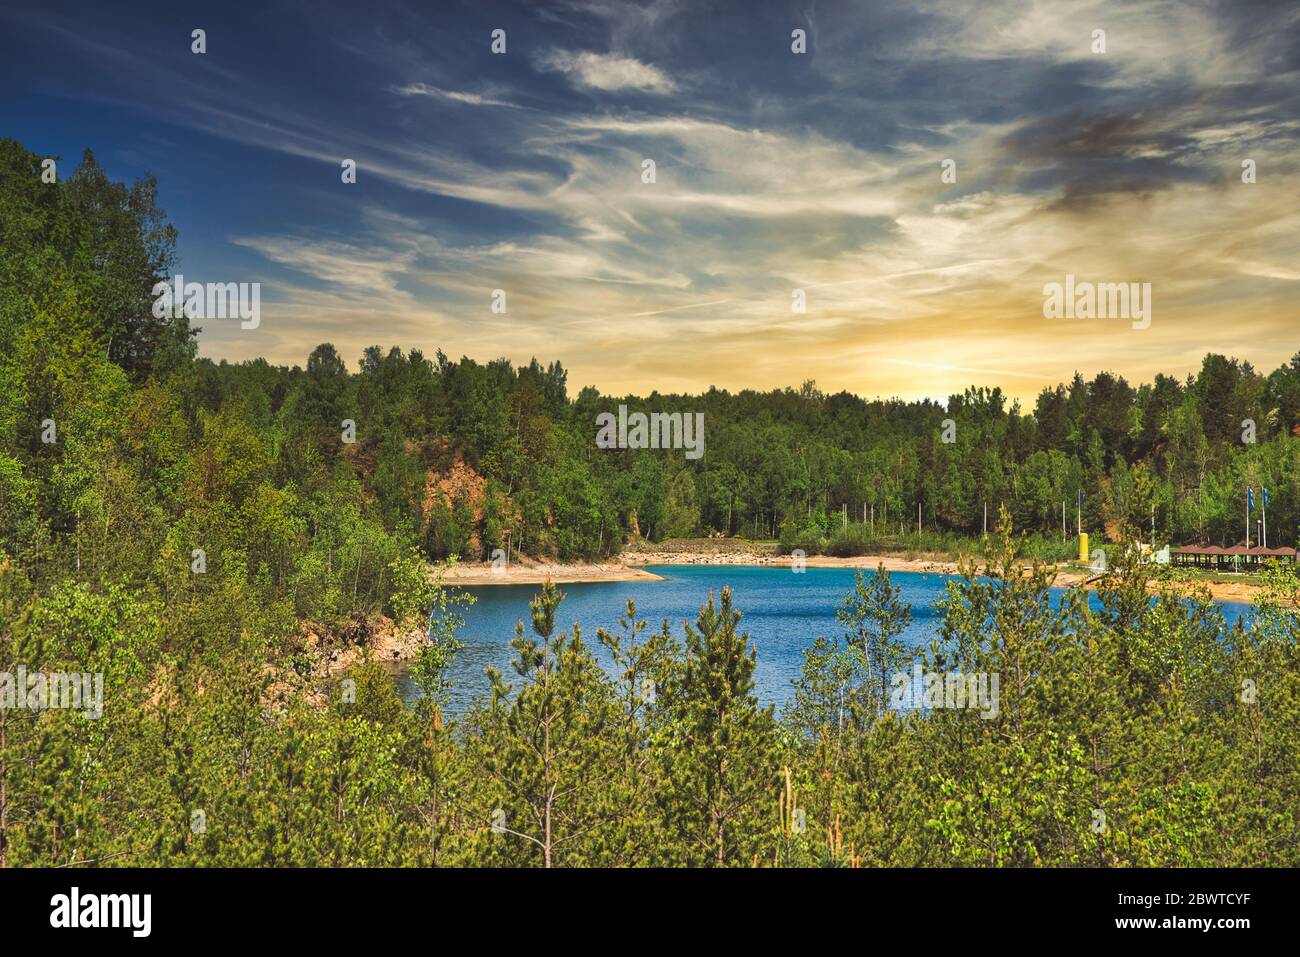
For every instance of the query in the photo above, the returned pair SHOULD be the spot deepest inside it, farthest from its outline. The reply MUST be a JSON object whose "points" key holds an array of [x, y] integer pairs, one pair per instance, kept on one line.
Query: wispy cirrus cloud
{"points": [[606, 71], [775, 172], [452, 96]]}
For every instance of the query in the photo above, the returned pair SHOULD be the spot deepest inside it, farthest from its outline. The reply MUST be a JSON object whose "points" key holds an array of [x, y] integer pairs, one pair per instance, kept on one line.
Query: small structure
{"points": [[1238, 557]]}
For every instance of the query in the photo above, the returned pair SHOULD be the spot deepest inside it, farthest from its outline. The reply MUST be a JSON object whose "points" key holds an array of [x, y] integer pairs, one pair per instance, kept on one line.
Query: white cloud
{"points": [[455, 96], [607, 71], [369, 272], [755, 198]]}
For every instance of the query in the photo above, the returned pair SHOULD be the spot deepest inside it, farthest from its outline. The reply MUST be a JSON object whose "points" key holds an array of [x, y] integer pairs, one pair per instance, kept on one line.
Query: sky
{"points": [[774, 171]]}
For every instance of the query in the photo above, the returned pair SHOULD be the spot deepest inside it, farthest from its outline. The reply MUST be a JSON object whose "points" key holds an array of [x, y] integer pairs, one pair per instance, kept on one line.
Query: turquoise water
{"points": [[782, 612]]}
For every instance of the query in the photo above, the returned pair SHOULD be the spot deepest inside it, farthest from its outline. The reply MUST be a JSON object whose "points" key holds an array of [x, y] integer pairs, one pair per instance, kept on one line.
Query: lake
{"points": [[782, 612]]}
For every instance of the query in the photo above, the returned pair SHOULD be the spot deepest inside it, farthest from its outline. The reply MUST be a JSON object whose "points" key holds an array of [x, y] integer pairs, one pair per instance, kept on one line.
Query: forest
{"points": [[468, 457], [175, 524]]}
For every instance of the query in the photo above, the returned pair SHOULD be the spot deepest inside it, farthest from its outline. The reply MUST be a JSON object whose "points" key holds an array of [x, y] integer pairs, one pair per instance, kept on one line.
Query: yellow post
{"points": [[1083, 546]]}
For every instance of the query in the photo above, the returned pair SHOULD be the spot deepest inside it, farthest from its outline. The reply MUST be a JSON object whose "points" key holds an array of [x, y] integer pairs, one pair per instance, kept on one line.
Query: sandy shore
{"points": [[631, 566], [1235, 591], [518, 573], [893, 563]]}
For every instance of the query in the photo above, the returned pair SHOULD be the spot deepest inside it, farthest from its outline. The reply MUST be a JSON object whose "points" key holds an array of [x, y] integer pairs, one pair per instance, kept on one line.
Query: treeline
{"points": [[797, 465], [463, 458]]}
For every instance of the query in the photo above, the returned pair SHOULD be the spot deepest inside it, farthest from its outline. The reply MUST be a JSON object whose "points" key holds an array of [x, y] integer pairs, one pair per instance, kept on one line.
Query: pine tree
{"points": [[875, 616], [721, 757], [545, 744]]}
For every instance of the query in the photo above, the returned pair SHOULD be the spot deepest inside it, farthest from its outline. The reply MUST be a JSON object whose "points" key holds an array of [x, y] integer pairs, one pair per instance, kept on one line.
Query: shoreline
{"points": [[893, 563], [391, 646], [631, 566], [483, 573]]}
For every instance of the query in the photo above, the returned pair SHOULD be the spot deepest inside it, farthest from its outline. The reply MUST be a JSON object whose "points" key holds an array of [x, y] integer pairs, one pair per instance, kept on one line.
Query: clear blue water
{"points": [[782, 612]]}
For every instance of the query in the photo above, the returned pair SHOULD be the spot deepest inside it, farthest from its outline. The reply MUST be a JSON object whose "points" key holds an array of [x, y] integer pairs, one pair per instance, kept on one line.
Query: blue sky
{"points": [[774, 171]]}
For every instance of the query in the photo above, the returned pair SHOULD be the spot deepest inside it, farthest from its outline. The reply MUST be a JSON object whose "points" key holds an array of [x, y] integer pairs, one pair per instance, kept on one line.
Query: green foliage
{"points": [[721, 745], [874, 616], [199, 537]]}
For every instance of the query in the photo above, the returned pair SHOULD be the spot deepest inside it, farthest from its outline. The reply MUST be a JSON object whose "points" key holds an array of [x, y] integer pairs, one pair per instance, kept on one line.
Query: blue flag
{"points": [[1265, 491], [1250, 498]]}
